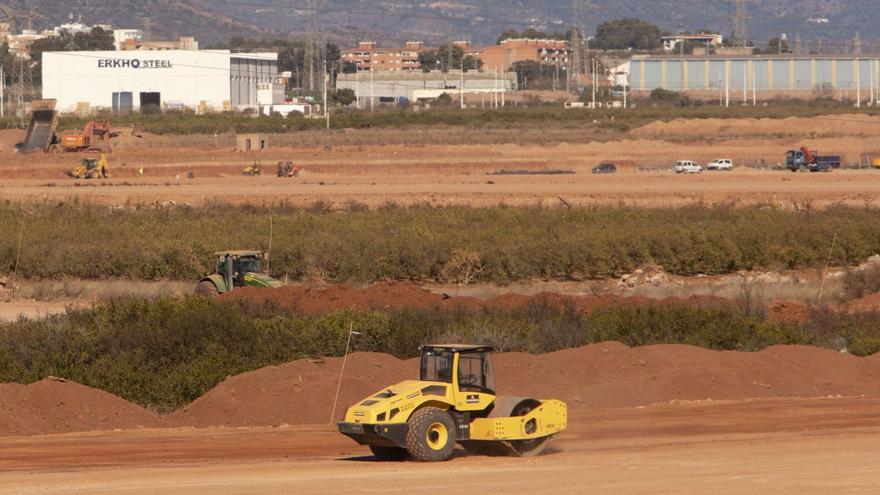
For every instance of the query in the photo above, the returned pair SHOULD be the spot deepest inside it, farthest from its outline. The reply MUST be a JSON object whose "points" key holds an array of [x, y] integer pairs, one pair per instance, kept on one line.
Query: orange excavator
{"points": [[95, 136]]}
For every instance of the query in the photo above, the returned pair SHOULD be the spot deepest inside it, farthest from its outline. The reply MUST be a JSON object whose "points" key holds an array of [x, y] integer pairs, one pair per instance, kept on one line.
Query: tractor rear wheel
{"points": [[431, 435], [393, 454], [207, 288]]}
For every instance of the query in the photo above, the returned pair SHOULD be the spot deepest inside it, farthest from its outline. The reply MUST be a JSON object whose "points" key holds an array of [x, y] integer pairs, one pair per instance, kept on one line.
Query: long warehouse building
{"points": [[204, 80], [767, 75]]}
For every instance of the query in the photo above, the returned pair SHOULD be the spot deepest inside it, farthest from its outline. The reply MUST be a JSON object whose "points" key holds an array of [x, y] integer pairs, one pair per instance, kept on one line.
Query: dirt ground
{"points": [[377, 172], [790, 446]]}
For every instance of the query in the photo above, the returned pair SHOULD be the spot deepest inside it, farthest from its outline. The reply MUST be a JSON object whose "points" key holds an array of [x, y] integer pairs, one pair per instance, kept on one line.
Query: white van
{"points": [[687, 167]]}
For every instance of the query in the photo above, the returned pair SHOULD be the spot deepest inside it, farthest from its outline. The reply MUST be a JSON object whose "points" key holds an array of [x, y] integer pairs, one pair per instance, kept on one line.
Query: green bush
{"points": [[164, 353], [501, 245]]}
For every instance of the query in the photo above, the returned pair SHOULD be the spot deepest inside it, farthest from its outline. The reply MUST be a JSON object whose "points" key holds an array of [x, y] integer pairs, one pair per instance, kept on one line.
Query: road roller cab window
{"points": [[436, 366], [475, 373]]}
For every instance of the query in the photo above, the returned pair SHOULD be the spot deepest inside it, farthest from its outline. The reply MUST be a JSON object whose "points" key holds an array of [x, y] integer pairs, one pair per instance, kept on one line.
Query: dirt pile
{"points": [[597, 376], [393, 295], [300, 392], [605, 375], [56, 406], [823, 126]]}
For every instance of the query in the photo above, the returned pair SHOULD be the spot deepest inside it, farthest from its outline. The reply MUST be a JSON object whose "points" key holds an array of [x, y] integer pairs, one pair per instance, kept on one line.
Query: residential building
{"points": [[672, 42], [184, 43], [368, 56], [502, 56], [123, 36]]}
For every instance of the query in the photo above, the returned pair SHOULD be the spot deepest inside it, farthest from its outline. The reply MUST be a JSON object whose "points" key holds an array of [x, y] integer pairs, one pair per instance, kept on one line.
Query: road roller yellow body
{"points": [[453, 401]]}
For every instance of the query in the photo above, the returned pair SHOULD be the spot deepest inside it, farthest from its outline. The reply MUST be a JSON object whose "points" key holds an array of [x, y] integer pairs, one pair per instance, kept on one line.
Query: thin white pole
{"points": [[461, 85], [357, 85], [2, 91], [326, 110], [495, 87], [726, 86], [372, 97], [745, 83], [872, 83], [625, 84], [754, 89], [341, 371], [858, 83], [503, 90]]}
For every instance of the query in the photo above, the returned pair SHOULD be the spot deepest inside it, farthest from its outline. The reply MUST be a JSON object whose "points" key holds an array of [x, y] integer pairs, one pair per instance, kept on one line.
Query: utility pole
{"points": [[372, 96], [2, 93], [357, 85]]}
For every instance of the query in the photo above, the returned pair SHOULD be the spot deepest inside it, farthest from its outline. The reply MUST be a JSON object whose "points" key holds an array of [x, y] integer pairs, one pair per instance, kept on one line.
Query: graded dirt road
{"points": [[802, 446], [653, 189], [443, 166]]}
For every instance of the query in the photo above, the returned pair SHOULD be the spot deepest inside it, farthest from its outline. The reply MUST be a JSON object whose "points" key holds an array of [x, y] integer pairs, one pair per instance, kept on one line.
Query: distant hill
{"points": [[480, 21], [166, 19]]}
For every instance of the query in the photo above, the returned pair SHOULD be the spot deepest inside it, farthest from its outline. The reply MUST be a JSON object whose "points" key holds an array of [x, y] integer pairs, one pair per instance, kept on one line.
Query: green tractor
{"points": [[236, 269]]}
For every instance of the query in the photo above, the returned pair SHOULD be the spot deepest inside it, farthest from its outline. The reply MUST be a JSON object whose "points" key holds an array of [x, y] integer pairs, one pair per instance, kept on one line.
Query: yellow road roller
{"points": [[453, 401]]}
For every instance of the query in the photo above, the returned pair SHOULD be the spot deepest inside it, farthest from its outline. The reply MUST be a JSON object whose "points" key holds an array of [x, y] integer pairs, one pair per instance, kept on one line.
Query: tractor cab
{"points": [[236, 269], [237, 264], [467, 368]]}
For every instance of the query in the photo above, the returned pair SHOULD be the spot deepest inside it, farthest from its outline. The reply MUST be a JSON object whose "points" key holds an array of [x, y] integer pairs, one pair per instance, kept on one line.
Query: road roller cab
{"points": [[453, 401]]}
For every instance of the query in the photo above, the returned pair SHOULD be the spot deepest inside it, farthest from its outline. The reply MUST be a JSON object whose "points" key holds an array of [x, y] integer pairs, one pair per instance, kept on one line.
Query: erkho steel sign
{"points": [[116, 63]]}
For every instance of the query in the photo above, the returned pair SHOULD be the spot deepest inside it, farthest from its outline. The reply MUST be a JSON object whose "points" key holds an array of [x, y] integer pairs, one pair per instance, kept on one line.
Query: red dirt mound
{"points": [[300, 392], [398, 295], [55, 406], [597, 376]]}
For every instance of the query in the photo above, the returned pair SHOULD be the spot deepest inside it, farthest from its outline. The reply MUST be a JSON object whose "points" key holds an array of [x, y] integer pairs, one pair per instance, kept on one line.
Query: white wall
{"points": [[182, 76]]}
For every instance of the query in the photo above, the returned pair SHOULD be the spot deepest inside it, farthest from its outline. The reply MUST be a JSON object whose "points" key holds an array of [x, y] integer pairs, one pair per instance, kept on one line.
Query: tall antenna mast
{"points": [[311, 58], [577, 62], [741, 24]]}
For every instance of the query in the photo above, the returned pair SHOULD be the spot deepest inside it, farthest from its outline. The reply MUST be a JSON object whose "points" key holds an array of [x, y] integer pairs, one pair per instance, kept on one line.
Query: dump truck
{"points": [[95, 136], [236, 269], [807, 159], [40, 134], [453, 402]]}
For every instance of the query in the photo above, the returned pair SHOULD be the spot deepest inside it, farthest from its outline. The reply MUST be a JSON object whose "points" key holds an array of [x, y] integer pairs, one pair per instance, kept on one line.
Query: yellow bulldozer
{"points": [[454, 401], [91, 168]]}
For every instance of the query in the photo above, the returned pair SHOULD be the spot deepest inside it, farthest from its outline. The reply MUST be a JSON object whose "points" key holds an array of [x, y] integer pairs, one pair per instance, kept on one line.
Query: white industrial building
{"points": [[206, 80]]}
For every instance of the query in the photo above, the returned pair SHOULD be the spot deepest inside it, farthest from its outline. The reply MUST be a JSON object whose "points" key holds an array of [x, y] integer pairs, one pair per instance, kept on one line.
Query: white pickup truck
{"points": [[687, 167], [725, 164]]}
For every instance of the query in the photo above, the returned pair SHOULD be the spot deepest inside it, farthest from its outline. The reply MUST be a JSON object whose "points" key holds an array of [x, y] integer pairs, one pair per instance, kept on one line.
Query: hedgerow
{"points": [[164, 353], [451, 244]]}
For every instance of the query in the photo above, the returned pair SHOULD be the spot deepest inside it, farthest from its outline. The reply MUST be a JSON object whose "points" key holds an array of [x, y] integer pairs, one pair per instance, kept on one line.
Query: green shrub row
{"points": [[165, 353], [188, 123], [453, 244]]}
